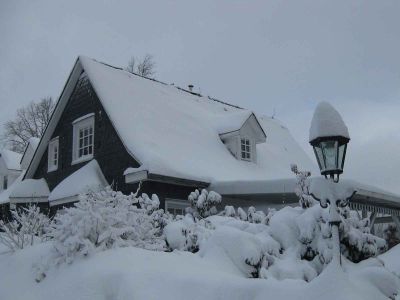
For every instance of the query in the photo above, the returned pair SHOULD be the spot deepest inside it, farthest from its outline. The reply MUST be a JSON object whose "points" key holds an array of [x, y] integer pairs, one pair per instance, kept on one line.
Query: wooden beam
{"points": [[383, 220]]}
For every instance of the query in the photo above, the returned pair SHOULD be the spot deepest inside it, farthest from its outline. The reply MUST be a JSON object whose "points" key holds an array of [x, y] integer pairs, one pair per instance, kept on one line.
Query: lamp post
{"points": [[329, 137]]}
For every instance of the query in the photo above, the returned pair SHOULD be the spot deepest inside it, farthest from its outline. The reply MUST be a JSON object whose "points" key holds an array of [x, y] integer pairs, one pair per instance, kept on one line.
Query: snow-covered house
{"points": [[10, 168], [16, 165], [10, 172], [111, 127]]}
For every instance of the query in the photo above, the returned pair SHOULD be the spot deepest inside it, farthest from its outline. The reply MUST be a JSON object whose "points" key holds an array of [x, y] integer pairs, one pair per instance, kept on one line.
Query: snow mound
{"points": [[327, 122]]}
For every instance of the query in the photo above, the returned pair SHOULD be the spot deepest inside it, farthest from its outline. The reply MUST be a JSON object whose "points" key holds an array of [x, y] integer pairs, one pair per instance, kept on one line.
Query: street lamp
{"points": [[329, 137]]}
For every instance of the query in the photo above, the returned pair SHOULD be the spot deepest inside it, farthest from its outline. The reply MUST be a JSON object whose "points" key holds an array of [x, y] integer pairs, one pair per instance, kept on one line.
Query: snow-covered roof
{"points": [[31, 188], [175, 133], [327, 122], [87, 178], [11, 159]]}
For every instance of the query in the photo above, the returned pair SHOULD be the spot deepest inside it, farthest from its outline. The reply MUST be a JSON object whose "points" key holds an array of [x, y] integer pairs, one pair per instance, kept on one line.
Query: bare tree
{"points": [[144, 67], [131, 65], [30, 121]]}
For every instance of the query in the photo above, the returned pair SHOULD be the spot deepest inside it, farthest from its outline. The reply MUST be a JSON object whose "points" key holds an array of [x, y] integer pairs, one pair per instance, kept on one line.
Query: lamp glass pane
{"points": [[320, 157], [342, 154], [329, 149]]}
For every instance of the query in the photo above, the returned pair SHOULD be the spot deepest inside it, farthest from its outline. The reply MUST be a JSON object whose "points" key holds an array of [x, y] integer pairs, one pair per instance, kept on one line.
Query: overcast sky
{"points": [[274, 57]]}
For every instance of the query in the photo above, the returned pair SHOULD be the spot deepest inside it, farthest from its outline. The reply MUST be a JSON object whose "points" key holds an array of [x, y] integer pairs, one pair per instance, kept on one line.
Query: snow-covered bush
{"points": [[203, 204], [302, 189], [27, 226], [245, 250], [186, 234], [357, 242], [391, 235], [104, 220]]}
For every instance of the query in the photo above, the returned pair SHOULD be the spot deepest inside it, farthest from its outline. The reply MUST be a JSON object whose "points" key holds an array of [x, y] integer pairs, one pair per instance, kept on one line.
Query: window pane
{"points": [[243, 155], [90, 149], [80, 152]]}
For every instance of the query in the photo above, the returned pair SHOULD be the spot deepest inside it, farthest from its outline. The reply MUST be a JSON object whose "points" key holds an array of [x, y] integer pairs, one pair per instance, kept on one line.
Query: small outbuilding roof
{"points": [[88, 178], [30, 189]]}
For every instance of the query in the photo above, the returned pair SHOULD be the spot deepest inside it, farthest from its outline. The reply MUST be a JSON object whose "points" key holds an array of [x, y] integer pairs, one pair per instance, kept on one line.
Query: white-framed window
{"points": [[176, 206], [83, 139], [53, 155], [245, 149]]}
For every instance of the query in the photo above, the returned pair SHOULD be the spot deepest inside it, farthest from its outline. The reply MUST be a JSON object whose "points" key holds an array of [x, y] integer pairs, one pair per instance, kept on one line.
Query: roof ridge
{"points": [[164, 83]]}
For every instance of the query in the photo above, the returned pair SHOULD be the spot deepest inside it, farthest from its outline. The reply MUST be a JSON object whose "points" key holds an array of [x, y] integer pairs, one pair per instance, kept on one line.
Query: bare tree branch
{"points": [[30, 121], [144, 67]]}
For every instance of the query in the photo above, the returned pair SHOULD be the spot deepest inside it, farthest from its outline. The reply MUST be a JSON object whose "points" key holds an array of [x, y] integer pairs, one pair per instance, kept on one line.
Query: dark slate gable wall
{"points": [[109, 151]]}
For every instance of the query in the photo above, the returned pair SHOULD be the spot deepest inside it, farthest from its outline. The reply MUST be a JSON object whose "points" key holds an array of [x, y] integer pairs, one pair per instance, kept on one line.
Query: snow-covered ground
{"points": [[133, 273]]}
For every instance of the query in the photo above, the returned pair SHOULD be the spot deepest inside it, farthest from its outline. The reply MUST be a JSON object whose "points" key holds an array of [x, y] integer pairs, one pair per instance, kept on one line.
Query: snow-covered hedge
{"points": [[293, 242], [107, 219]]}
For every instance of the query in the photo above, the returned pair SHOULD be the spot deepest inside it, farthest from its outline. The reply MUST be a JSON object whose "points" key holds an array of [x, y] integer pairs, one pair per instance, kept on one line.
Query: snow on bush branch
{"points": [[27, 225], [203, 204], [302, 189]]}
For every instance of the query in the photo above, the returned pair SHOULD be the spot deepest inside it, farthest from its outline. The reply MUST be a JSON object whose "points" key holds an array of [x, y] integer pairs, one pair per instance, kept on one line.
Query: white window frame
{"points": [[176, 206], [82, 123], [247, 152], [53, 155]]}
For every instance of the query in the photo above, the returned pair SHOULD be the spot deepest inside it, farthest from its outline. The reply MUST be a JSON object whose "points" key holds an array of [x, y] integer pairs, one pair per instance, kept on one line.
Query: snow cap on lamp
{"points": [[327, 122]]}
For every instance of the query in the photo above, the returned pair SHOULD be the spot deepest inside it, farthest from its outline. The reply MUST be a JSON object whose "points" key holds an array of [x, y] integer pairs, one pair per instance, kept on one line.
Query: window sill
{"points": [[82, 159]]}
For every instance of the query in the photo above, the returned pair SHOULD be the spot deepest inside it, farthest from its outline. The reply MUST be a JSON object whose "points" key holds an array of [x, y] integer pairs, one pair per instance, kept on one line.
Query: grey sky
{"points": [[282, 56]]}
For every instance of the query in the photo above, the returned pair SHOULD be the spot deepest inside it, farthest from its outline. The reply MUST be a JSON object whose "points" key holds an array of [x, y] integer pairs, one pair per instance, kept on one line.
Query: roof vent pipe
{"points": [[190, 86]]}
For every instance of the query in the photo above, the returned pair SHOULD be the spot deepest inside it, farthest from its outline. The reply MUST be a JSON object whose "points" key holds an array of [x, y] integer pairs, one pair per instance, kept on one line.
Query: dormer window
{"points": [[53, 155], [83, 139], [241, 139], [245, 146]]}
